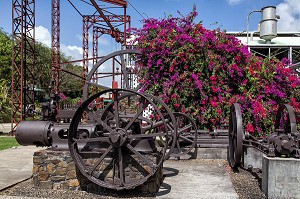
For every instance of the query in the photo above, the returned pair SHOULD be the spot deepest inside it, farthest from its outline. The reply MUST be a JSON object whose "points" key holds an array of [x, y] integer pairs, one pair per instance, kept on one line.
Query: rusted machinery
{"points": [[284, 141], [119, 144]]}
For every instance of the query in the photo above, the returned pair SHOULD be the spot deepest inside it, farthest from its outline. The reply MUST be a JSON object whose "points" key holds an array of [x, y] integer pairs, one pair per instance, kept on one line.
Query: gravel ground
{"points": [[246, 184]]}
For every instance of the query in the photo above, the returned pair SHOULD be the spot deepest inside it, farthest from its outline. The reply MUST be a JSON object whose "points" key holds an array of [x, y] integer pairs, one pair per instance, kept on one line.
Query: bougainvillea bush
{"points": [[203, 72]]}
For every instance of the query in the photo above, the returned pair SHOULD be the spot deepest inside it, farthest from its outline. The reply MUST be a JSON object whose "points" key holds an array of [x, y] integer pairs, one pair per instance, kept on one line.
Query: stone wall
{"points": [[56, 170]]}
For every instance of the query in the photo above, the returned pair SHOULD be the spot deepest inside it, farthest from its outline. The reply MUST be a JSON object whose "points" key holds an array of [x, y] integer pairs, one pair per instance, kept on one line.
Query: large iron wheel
{"points": [[123, 152], [235, 136], [186, 137], [286, 120]]}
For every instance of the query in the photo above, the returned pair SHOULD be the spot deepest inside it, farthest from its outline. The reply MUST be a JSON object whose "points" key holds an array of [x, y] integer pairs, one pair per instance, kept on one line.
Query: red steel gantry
{"points": [[23, 55]]}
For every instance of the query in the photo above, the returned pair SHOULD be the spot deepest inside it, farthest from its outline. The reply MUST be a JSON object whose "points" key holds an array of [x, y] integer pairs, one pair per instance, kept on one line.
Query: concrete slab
{"points": [[16, 165], [5, 128], [200, 179], [281, 177]]}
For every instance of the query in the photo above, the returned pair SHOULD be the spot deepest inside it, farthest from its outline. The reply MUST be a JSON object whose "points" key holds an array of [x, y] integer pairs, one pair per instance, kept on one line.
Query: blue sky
{"points": [[227, 15]]}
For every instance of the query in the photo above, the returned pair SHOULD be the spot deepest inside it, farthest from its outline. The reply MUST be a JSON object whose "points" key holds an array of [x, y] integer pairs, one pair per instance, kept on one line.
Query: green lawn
{"points": [[7, 142]]}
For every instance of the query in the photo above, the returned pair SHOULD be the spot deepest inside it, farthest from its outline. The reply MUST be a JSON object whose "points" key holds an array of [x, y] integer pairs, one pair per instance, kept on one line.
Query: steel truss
{"points": [[23, 60]]}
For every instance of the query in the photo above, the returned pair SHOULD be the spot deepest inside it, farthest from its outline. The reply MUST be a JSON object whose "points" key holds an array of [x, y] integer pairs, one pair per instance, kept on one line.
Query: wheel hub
{"points": [[117, 138]]}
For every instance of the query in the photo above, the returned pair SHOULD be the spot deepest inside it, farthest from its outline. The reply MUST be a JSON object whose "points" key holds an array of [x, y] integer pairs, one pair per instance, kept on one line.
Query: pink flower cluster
{"points": [[202, 72]]}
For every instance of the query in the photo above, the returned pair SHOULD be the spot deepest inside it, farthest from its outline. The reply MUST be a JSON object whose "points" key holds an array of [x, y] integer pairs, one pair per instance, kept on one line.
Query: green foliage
{"points": [[4, 102], [71, 85], [5, 55], [8, 142], [43, 66]]}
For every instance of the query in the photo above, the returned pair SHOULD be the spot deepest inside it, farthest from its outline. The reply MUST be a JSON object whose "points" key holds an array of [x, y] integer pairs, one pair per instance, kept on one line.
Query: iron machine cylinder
{"points": [[34, 133]]}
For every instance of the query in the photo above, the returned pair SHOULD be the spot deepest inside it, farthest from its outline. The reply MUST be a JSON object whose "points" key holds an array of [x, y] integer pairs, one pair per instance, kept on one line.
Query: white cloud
{"points": [[73, 51], [234, 2], [43, 35], [289, 15]]}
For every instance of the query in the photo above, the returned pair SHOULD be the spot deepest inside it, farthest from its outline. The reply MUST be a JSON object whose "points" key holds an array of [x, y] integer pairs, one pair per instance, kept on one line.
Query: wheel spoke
{"points": [[186, 127], [178, 146], [100, 160], [145, 160], [140, 111], [94, 116], [154, 125], [121, 168], [186, 139], [116, 107]]}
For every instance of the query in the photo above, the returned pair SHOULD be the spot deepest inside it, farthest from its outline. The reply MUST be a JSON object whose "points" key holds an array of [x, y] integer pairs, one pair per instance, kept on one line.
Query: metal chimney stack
{"points": [[268, 23]]}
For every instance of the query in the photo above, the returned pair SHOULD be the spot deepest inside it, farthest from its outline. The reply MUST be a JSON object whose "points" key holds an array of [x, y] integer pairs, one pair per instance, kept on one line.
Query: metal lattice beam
{"points": [[55, 53], [23, 60], [85, 46]]}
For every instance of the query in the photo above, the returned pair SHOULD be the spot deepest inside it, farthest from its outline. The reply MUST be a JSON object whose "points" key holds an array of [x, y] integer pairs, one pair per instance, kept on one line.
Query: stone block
{"points": [[55, 161], [60, 171], [73, 183], [39, 153], [37, 160], [63, 164], [65, 185], [57, 178], [68, 159], [281, 177], [56, 186], [43, 175], [35, 169], [42, 168], [71, 174], [51, 168], [71, 166], [46, 184]]}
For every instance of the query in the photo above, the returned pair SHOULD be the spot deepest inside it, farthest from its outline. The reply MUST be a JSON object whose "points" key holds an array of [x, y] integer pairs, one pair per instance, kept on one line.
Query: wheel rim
{"points": [[118, 134], [235, 136], [286, 119]]}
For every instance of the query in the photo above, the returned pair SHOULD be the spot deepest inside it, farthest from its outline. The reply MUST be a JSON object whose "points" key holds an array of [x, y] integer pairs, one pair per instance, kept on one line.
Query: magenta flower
{"points": [[203, 72]]}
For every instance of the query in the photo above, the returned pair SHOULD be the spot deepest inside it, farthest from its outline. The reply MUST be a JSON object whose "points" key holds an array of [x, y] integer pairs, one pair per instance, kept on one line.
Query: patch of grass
{"points": [[8, 142]]}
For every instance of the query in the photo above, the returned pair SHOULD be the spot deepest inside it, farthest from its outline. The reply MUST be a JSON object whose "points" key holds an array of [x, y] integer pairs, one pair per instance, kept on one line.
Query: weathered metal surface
{"points": [[48, 133], [235, 136], [186, 138], [123, 135], [284, 141]]}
